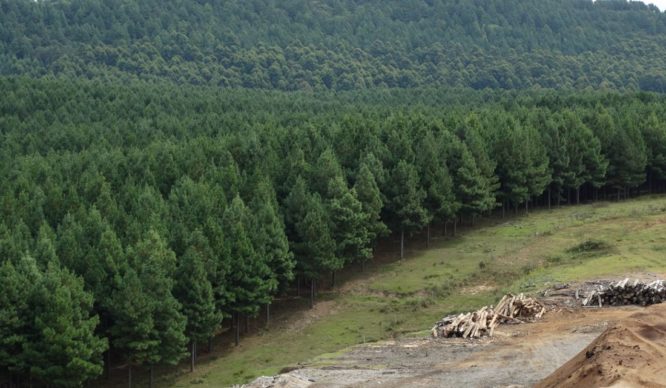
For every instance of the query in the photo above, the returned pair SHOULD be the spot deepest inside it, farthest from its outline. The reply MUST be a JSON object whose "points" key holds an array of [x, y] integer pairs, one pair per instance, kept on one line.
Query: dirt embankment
{"points": [[631, 352]]}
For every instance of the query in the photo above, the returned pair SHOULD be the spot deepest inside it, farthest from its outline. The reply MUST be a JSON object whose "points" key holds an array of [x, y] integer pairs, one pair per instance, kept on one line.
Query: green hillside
{"points": [[341, 44]]}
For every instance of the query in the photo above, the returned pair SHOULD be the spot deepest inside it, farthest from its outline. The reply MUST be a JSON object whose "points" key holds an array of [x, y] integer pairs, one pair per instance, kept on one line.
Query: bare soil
{"points": [[632, 352], [518, 355]]}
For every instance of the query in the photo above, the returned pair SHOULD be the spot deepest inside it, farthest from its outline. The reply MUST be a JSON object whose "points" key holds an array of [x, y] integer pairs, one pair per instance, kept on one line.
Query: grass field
{"points": [[521, 254]]}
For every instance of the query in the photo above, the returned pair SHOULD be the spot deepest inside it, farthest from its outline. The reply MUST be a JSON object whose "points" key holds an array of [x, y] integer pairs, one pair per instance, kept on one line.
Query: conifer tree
{"points": [[156, 265], [627, 160], [324, 171], [405, 202], [63, 349], [195, 293], [15, 318], [471, 189], [471, 136], [315, 247], [348, 223], [558, 158], [538, 173], [654, 135], [440, 200], [133, 333], [251, 282], [372, 204], [269, 238]]}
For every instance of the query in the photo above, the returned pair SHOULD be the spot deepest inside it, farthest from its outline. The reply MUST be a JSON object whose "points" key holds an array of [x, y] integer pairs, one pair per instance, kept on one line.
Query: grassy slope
{"points": [[521, 254]]}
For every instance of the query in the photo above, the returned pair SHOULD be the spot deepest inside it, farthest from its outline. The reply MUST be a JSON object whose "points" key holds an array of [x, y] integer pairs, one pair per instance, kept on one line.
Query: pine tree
{"points": [[293, 208], [195, 293], [654, 135], [251, 282], [324, 171], [156, 265], [471, 189], [538, 173], [512, 150], [627, 160], [371, 202], [63, 349], [558, 158], [269, 238], [435, 179], [348, 223], [471, 136], [315, 247], [133, 331], [15, 317], [405, 202]]}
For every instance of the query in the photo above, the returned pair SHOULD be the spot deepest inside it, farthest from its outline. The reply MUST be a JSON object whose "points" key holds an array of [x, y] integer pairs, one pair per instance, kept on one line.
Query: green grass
{"points": [[406, 297]]}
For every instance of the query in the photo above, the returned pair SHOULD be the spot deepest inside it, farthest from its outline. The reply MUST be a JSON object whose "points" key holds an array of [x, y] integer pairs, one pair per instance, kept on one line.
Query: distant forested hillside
{"points": [[341, 44]]}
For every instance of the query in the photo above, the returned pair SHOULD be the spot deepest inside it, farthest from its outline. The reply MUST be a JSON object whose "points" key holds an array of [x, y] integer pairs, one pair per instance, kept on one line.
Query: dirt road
{"points": [[519, 355]]}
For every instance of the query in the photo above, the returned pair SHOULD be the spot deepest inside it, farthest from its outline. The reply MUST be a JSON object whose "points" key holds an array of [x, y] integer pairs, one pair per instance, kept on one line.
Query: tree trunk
{"points": [[129, 376], [210, 344], [312, 293], [578, 195], [237, 328], [527, 206], [298, 286], [618, 194], [192, 350], [503, 208], [446, 223], [247, 323], [150, 377], [268, 314], [455, 226], [402, 243], [428, 236], [107, 364], [332, 278]]}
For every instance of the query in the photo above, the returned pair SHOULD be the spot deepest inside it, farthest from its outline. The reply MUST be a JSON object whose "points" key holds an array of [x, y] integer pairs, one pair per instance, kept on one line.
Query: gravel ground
{"points": [[518, 355]]}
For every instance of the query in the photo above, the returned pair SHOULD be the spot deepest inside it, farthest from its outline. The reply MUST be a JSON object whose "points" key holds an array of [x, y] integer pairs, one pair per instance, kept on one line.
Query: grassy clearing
{"points": [[476, 268]]}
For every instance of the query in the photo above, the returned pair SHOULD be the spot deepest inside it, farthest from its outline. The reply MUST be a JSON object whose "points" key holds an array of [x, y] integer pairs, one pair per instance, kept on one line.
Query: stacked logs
{"points": [[627, 292], [511, 308]]}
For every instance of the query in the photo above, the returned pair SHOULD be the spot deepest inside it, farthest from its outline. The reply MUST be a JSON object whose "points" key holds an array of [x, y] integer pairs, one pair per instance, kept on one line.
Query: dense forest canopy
{"points": [[168, 168], [341, 44]]}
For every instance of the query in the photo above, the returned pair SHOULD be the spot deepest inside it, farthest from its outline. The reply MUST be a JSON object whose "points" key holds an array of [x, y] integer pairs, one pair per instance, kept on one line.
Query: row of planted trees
{"points": [[146, 221]]}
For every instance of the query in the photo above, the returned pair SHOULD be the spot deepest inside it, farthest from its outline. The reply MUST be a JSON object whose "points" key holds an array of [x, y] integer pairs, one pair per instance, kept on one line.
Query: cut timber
{"points": [[511, 308], [626, 292]]}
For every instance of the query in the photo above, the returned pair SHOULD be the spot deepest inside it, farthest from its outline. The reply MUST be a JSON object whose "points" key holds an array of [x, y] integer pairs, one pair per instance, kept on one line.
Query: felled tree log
{"points": [[510, 309], [627, 292]]}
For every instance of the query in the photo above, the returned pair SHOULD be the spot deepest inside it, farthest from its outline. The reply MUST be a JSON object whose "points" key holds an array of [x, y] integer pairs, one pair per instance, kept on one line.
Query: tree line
{"points": [[341, 44], [139, 219]]}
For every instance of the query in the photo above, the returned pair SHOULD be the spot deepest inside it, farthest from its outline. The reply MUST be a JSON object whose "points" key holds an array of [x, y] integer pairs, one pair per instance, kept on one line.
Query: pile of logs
{"points": [[510, 309], [626, 292]]}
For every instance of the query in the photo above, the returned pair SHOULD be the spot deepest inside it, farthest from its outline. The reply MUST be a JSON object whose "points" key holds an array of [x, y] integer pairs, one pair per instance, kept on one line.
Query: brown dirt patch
{"points": [[478, 289], [632, 352]]}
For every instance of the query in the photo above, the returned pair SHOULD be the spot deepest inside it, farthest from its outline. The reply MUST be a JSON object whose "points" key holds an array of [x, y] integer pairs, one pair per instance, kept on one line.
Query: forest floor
{"points": [[401, 299]]}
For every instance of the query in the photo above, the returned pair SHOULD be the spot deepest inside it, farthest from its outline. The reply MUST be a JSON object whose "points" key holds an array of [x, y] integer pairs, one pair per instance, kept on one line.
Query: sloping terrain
{"points": [[340, 45], [518, 355], [392, 300], [631, 352]]}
